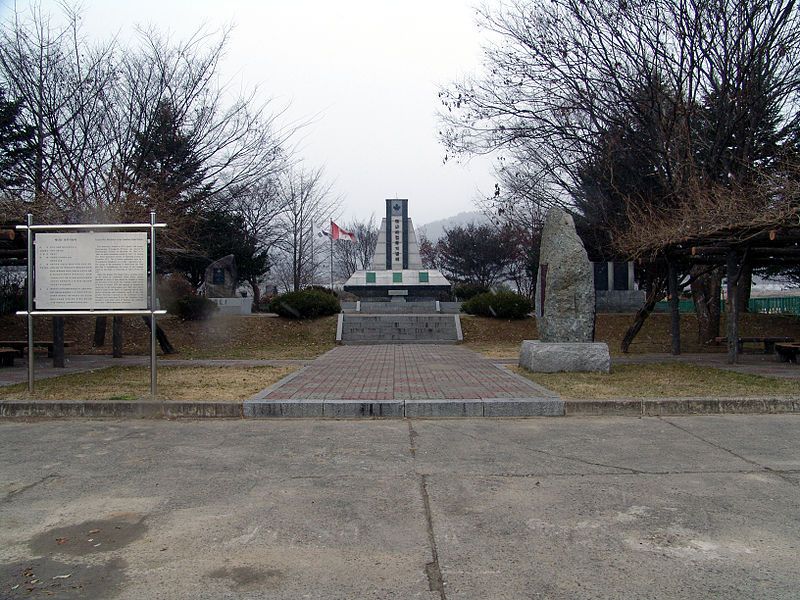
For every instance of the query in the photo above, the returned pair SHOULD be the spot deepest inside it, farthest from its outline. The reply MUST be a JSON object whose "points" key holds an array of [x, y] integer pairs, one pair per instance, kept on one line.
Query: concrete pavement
{"points": [[680, 507]]}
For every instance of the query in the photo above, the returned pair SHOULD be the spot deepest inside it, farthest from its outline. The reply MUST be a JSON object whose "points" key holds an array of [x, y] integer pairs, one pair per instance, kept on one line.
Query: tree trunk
{"points": [[706, 289], [256, 293], [100, 332], [654, 293], [116, 337], [744, 287], [58, 342], [163, 341]]}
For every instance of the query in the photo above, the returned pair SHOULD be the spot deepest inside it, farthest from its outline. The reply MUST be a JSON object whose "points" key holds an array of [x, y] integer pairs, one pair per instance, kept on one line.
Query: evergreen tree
{"points": [[16, 144]]}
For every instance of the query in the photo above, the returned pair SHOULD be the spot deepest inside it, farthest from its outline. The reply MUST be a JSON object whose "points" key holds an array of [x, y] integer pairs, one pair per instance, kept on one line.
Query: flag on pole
{"points": [[337, 233]]}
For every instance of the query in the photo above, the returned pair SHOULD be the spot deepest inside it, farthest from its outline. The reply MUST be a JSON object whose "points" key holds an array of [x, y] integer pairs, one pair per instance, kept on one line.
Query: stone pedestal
{"points": [[555, 357]]}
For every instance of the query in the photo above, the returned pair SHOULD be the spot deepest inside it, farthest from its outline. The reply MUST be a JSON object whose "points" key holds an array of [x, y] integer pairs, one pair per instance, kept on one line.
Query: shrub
{"points": [[305, 304], [192, 308], [502, 305], [12, 293], [465, 291], [323, 289], [173, 287]]}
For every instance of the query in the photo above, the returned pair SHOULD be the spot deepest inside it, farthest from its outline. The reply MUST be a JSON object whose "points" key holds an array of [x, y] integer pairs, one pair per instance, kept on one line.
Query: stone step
{"points": [[396, 308], [399, 328]]}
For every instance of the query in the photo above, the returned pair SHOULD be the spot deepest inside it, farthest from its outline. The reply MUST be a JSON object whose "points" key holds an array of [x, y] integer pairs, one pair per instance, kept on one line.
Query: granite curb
{"points": [[442, 408]]}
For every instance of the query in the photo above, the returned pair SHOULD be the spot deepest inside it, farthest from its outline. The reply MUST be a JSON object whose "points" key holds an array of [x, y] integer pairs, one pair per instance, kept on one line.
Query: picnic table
{"points": [[19, 346], [7, 356], [787, 352], [768, 341]]}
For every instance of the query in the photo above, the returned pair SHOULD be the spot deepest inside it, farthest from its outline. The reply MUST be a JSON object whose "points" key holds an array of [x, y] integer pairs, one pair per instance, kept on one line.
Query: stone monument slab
{"points": [[565, 300], [221, 278]]}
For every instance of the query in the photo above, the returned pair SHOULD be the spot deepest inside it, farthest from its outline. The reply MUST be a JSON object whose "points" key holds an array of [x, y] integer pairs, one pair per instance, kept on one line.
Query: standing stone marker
{"points": [[565, 290], [565, 304], [221, 278]]}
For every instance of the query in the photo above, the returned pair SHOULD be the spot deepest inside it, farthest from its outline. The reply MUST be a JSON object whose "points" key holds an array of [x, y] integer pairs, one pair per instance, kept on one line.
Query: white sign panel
{"points": [[91, 271]]}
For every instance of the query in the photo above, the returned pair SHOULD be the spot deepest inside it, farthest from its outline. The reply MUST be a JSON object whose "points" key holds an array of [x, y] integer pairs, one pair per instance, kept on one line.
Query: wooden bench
{"points": [[19, 346], [769, 342], [7, 356], [787, 352]]}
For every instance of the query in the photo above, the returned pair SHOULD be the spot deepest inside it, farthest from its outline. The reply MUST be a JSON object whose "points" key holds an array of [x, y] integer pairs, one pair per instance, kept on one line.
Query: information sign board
{"points": [[91, 271]]}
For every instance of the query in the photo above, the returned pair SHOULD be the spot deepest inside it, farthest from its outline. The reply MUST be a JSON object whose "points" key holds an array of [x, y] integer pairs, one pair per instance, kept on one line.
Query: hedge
{"points": [[500, 305], [305, 304]]}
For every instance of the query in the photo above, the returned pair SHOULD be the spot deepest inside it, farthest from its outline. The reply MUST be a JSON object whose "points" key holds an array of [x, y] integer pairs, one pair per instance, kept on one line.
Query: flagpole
{"points": [[312, 253], [331, 236]]}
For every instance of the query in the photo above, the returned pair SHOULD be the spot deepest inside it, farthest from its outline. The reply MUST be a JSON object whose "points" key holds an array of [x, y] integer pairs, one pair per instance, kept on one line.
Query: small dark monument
{"points": [[221, 278], [565, 304]]}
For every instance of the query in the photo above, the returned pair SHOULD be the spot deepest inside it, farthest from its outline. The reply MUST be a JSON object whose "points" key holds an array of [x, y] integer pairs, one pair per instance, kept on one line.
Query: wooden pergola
{"points": [[733, 250]]}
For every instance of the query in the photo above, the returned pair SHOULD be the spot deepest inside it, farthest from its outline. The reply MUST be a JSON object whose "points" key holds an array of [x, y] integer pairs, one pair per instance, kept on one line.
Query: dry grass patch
{"points": [[254, 336], [133, 383], [496, 338], [661, 380]]}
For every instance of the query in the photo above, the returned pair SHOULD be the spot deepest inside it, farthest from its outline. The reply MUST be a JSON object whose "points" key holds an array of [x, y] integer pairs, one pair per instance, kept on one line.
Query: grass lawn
{"points": [[133, 383], [254, 336], [496, 338], [665, 380]]}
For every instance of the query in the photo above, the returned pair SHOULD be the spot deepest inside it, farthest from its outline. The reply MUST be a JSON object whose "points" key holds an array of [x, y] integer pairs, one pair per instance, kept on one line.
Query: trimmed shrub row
{"points": [[305, 304], [465, 291], [500, 305]]}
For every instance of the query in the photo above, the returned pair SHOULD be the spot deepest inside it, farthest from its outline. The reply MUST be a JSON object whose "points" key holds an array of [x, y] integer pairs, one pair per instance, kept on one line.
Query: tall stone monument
{"points": [[565, 304], [565, 285], [396, 272]]}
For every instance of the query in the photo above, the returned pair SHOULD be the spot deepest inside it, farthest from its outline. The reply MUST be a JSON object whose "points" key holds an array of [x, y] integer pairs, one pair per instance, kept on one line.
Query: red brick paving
{"points": [[402, 372]]}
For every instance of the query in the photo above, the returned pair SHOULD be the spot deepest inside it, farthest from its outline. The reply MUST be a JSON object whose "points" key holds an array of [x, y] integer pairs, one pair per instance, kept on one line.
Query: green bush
{"points": [[173, 287], [502, 305], [192, 308], [12, 295], [465, 291], [323, 289], [305, 304]]}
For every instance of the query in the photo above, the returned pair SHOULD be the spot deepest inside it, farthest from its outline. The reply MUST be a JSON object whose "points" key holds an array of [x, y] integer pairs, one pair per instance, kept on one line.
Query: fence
{"points": [[789, 305]]}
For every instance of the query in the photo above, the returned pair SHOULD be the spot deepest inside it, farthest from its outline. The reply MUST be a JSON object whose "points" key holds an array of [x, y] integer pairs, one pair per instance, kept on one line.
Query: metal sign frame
{"points": [[151, 280]]}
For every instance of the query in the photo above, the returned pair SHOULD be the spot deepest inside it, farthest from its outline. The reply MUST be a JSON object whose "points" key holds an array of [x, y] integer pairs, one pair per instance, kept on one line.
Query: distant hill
{"points": [[435, 229]]}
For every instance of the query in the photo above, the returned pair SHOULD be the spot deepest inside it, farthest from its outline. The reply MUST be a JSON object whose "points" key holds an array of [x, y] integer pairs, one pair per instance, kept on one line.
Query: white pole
{"points": [[331, 236], [153, 376], [29, 221], [313, 267]]}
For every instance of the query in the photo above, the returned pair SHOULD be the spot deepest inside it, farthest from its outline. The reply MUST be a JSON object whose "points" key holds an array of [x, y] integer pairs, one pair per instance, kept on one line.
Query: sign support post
{"points": [[29, 221], [153, 376]]}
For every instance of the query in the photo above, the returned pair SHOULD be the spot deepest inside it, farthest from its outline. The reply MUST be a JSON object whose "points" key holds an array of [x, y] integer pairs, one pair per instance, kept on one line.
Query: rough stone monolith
{"points": [[565, 302]]}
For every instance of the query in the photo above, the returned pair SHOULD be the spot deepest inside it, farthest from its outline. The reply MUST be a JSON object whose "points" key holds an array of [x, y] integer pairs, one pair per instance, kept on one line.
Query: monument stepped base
{"points": [[355, 328], [546, 357]]}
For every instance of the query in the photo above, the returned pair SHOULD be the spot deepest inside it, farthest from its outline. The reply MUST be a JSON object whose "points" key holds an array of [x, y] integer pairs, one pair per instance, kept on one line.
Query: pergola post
{"points": [[733, 270], [674, 307]]}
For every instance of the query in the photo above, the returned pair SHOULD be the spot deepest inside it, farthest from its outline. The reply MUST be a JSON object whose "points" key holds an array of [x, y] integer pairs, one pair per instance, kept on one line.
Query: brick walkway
{"points": [[403, 372]]}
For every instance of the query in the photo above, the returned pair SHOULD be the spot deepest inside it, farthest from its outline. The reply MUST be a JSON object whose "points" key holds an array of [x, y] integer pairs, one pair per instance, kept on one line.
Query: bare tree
{"points": [[708, 89], [309, 203], [260, 207], [349, 257]]}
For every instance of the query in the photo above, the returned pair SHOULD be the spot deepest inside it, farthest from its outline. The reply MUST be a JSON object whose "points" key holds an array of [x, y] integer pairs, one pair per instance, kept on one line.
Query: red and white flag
{"points": [[337, 233]]}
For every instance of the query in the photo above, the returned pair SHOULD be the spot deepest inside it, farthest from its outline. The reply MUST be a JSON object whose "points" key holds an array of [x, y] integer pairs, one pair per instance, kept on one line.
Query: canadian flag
{"points": [[337, 233]]}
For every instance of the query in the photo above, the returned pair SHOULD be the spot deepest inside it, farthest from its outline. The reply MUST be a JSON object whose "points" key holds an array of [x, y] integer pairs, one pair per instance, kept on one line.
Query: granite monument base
{"points": [[570, 357]]}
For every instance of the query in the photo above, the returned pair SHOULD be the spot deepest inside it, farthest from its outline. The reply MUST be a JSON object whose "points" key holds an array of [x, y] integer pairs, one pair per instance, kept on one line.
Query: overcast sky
{"points": [[367, 71]]}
